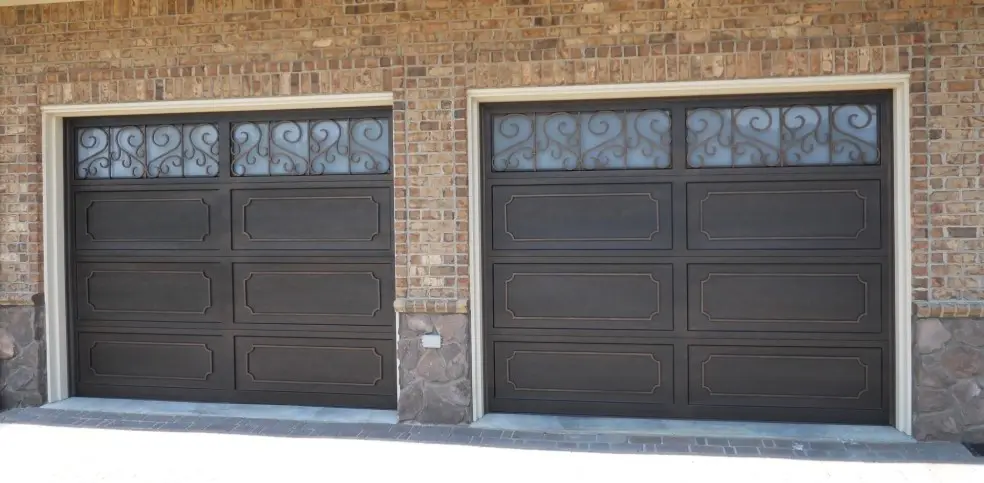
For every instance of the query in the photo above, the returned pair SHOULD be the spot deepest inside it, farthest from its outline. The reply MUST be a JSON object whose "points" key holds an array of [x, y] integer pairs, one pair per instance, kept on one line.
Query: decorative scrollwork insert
{"points": [[802, 135], [311, 148], [581, 141], [148, 151]]}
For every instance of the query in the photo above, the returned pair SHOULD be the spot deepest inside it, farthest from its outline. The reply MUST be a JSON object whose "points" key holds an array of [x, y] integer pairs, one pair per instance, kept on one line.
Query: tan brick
{"points": [[429, 52]]}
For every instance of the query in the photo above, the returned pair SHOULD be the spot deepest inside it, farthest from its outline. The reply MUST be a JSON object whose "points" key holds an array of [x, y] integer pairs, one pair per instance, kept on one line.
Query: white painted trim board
{"points": [[53, 162]]}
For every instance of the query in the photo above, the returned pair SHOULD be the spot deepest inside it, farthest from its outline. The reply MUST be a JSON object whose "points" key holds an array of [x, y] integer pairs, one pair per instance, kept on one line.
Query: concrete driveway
{"points": [[35, 454]]}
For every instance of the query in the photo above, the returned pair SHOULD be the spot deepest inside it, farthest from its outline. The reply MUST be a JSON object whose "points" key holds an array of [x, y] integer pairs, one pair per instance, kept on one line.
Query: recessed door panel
{"points": [[315, 293], [582, 217], [146, 220], [581, 296], [818, 377], [315, 364], [825, 215], [584, 372], [163, 360], [153, 292], [785, 297], [312, 219]]}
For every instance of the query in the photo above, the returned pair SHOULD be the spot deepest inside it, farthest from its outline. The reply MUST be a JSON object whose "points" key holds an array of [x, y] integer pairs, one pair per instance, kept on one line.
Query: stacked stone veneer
{"points": [[435, 384], [22, 356], [949, 379]]}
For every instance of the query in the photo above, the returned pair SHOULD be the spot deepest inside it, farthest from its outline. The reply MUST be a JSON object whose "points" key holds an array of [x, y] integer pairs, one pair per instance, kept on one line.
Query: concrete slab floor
{"points": [[257, 411], [685, 428], [514, 422]]}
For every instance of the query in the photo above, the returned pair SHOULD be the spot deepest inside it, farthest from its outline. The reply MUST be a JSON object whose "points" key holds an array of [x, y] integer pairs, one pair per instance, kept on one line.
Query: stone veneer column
{"points": [[435, 384], [22, 355], [949, 379]]}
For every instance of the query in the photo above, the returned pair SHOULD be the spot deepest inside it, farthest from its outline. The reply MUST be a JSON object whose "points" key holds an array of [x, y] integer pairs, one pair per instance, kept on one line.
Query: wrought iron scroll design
{"points": [[147, 151], [311, 148], [581, 141], [802, 135]]}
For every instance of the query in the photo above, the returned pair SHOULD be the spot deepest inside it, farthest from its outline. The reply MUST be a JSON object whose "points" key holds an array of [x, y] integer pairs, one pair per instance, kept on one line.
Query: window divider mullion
{"points": [[225, 149], [678, 138]]}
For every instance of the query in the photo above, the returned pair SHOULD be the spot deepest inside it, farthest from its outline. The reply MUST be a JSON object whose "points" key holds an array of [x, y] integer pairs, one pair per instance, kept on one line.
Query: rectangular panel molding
{"points": [[583, 296], [315, 293], [802, 377], [784, 215], [323, 365], [198, 361], [777, 297], [584, 372], [150, 220], [153, 292], [313, 219], [582, 217]]}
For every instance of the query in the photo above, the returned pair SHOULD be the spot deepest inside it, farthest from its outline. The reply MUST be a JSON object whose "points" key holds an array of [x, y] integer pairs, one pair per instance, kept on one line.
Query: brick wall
{"points": [[429, 52]]}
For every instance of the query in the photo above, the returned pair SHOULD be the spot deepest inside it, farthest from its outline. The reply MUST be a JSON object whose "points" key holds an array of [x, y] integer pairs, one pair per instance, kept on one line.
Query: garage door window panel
{"points": [[311, 148], [582, 141], [148, 151], [802, 135]]}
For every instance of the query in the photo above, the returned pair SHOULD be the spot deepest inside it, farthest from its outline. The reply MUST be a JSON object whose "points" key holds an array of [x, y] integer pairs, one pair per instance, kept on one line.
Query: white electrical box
{"points": [[431, 341]]}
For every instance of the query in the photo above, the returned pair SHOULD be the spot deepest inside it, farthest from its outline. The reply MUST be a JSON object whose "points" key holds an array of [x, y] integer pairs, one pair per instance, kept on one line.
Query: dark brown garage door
{"points": [[239, 258], [694, 258]]}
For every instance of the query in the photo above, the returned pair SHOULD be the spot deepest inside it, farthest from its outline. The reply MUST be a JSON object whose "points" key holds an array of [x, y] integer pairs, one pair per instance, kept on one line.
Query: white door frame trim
{"points": [[897, 83], [53, 163]]}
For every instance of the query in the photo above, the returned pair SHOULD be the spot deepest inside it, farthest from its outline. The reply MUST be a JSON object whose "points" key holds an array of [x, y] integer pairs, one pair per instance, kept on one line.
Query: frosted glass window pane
{"points": [[513, 143], [854, 136], [311, 148], [787, 136], [155, 151], [370, 146], [581, 141]]}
